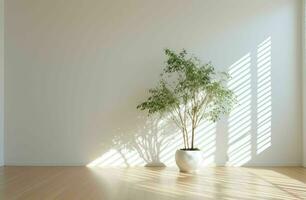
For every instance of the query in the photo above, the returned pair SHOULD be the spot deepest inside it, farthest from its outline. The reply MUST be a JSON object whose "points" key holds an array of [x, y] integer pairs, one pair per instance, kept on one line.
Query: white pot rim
{"points": [[195, 150]]}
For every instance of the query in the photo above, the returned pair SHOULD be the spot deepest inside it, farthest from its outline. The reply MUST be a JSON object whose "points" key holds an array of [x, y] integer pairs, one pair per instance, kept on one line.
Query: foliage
{"points": [[190, 92]]}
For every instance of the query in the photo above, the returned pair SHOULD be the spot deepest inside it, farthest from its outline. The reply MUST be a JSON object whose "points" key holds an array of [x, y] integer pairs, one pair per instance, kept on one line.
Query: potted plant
{"points": [[188, 93]]}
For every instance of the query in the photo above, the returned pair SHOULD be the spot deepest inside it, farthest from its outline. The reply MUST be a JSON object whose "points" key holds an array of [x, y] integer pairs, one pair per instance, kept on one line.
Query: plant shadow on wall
{"points": [[148, 141], [140, 146]]}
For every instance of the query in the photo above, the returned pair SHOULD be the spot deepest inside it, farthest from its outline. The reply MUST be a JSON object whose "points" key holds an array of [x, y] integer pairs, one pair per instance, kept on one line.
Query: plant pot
{"points": [[188, 160]]}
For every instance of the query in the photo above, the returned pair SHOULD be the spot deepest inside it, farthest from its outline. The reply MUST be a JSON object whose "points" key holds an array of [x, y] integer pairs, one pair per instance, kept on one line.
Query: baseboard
{"points": [[289, 164], [29, 164]]}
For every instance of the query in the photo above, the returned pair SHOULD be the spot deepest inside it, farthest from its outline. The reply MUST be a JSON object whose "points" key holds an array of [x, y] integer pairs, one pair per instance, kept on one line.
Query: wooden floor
{"points": [[151, 183]]}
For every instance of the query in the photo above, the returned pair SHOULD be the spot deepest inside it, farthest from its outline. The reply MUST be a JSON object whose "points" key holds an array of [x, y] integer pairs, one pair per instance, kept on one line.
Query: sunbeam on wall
{"points": [[239, 122], [264, 96]]}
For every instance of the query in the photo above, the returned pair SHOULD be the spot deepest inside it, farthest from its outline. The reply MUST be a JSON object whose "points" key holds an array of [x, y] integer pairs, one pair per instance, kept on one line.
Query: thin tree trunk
{"points": [[184, 138], [193, 128], [187, 137], [192, 138]]}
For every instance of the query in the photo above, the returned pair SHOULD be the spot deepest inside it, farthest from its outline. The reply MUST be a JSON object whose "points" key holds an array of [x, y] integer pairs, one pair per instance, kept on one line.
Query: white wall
{"points": [[1, 82], [76, 69]]}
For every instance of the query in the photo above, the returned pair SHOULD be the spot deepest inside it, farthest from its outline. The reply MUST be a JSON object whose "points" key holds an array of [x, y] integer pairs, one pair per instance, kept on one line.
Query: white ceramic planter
{"points": [[188, 161]]}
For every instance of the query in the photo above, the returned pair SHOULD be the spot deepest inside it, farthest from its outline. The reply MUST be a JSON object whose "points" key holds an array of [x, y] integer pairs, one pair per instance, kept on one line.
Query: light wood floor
{"points": [[151, 183]]}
